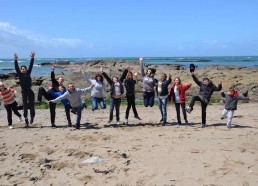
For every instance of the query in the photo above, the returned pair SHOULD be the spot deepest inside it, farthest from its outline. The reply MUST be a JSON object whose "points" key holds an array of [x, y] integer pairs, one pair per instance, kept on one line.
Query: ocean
{"points": [[7, 65]]}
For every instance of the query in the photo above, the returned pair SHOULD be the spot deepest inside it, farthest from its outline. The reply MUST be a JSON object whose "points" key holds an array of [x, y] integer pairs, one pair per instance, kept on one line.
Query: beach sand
{"points": [[144, 153]]}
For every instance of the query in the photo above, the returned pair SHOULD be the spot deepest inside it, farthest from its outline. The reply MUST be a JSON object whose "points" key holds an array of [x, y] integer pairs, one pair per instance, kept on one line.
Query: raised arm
{"points": [[32, 55], [53, 78], [106, 76], [85, 76], [84, 90], [219, 87], [196, 80], [141, 66], [136, 76], [123, 76], [18, 71]]}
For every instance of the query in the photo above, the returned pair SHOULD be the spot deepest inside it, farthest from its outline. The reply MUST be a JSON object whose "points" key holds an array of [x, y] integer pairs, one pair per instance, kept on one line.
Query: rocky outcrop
{"points": [[243, 79]]}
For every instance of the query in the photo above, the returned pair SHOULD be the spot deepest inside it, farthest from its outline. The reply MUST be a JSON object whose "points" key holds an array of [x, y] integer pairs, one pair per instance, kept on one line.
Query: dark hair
{"points": [[205, 79], [153, 71], [164, 75], [23, 66], [99, 75]]}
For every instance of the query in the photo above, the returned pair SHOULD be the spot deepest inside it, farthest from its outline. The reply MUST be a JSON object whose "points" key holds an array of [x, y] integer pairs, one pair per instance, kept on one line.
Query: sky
{"points": [[117, 28]]}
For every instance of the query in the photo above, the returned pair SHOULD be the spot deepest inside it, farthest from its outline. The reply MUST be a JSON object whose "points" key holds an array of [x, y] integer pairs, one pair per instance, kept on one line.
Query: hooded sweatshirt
{"points": [[231, 101]]}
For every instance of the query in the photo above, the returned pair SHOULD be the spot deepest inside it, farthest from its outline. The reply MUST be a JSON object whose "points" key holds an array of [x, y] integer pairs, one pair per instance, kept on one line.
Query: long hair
{"points": [[99, 75], [179, 85]]}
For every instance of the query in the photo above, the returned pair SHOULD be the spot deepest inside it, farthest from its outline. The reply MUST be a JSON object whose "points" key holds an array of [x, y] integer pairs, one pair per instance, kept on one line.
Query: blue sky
{"points": [[86, 28]]}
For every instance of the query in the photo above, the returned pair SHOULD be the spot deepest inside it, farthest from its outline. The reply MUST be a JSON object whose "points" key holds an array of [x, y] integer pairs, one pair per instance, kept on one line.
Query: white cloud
{"points": [[9, 33]]}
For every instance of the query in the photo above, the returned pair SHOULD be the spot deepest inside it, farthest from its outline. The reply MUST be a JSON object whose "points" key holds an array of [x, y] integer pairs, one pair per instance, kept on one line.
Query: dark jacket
{"points": [[206, 91], [164, 87], [130, 86], [25, 79], [121, 79], [231, 101]]}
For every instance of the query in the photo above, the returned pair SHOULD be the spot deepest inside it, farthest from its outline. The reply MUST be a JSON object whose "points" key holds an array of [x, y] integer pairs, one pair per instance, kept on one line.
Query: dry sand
{"points": [[144, 153]]}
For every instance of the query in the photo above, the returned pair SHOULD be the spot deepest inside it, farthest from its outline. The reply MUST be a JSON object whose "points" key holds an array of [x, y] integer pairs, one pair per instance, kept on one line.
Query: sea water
{"points": [[7, 65]]}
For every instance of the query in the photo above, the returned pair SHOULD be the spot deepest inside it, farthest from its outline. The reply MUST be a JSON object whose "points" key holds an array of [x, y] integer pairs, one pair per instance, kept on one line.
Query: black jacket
{"points": [[25, 79], [121, 79], [206, 91]]}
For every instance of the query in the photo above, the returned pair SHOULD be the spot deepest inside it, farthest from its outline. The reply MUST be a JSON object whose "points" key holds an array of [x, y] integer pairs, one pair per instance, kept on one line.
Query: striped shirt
{"points": [[7, 96]]}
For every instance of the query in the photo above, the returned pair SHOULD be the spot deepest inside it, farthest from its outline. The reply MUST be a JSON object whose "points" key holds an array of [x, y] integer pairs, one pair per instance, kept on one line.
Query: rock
{"points": [[7, 76]]}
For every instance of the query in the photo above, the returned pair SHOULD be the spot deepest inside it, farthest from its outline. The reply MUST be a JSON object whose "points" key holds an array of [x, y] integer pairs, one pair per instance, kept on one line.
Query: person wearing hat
{"points": [[26, 84], [206, 90], [149, 85], [10, 104], [232, 98]]}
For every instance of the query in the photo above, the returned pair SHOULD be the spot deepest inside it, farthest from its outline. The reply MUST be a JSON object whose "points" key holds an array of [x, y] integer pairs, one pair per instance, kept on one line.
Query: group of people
{"points": [[152, 87]]}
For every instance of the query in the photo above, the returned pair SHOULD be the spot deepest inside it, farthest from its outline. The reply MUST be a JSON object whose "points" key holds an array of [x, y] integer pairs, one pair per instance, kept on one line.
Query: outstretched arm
{"points": [[18, 71], [64, 96], [32, 55], [243, 98]]}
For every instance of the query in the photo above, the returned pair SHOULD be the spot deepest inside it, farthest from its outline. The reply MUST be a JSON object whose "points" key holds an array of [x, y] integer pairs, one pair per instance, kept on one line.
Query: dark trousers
{"points": [[178, 111], [114, 102], [52, 106], [9, 108], [148, 99], [67, 112], [130, 103], [28, 102], [204, 105]]}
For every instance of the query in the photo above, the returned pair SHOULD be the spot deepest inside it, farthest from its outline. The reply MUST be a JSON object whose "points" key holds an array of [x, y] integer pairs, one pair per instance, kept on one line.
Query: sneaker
{"points": [[161, 120], [53, 126], [222, 118], [118, 123], [69, 125], [10, 127], [189, 110], [186, 122], [77, 126], [164, 122], [31, 120], [126, 121], [203, 125], [26, 122], [20, 119], [109, 121], [229, 126], [137, 117]]}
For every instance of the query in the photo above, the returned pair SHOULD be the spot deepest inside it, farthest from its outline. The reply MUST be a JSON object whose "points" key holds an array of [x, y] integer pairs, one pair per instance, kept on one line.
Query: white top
{"points": [[177, 96]]}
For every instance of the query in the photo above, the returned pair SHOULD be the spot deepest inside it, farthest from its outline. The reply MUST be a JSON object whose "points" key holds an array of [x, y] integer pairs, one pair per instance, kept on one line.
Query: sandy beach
{"points": [[143, 153]]}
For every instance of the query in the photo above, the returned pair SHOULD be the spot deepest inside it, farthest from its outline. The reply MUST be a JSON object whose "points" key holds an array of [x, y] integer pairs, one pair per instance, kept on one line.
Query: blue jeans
{"points": [[163, 107], [114, 102], [148, 98], [79, 114], [95, 101]]}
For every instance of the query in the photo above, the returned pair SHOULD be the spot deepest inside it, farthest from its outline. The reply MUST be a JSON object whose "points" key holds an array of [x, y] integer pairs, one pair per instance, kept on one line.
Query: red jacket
{"points": [[183, 89]]}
